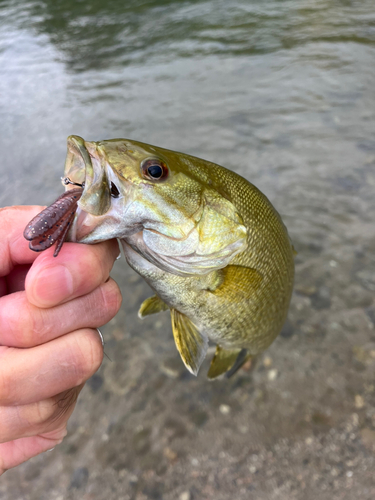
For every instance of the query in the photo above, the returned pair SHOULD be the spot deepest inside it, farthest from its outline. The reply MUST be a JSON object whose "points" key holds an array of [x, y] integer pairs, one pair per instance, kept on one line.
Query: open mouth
{"points": [[85, 170], [78, 163], [83, 224]]}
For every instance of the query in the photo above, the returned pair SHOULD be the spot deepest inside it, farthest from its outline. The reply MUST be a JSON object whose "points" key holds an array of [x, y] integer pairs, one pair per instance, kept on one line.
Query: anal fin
{"points": [[152, 305], [242, 358], [223, 360], [190, 343]]}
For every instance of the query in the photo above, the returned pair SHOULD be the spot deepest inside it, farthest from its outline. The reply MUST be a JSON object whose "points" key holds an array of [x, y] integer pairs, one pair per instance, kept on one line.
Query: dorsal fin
{"points": [[190, 343]]}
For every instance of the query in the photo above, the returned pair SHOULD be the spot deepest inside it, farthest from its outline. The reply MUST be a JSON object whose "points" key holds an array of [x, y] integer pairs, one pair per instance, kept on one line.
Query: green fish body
{"points": [[206, 240]]}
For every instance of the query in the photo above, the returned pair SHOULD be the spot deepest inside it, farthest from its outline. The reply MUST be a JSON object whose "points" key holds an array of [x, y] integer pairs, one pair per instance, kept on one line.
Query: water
{"points": [[282, 92]]}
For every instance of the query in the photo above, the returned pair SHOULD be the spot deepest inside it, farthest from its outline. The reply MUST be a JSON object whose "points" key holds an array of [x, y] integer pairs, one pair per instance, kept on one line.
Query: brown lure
{"points": [[51, 225]]}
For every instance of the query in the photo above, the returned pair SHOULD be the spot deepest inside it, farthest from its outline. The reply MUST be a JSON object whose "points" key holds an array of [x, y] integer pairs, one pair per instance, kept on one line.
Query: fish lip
{"points": [[73, 228], [77, 150], [76, 235], [87, 168], [77, 144]]}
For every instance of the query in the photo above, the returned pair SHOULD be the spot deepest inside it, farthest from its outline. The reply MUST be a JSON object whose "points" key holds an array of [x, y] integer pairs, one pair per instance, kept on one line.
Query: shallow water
{"points": [[283, 93]]}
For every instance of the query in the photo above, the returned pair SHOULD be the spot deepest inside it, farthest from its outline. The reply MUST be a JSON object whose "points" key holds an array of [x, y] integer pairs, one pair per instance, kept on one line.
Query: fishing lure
{"points": [[52, 224]]}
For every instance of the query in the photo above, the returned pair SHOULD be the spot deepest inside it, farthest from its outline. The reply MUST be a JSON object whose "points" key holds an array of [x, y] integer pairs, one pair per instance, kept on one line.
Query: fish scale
{"points": [[207, 241]]}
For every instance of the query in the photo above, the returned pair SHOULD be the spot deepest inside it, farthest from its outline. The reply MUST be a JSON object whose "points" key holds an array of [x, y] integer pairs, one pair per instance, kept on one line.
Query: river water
{"points": [[282, 92]]}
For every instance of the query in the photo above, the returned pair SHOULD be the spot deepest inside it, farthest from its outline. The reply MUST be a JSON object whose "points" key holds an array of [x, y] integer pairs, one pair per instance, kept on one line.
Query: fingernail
{"points": [[52, 285]]}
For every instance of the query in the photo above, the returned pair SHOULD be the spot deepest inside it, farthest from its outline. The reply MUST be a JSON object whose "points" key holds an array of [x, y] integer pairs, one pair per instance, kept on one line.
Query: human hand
{"points": [[49, 346]]}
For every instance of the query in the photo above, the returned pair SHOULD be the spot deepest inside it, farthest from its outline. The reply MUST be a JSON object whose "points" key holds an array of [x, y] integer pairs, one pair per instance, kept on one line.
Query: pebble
{"points": [[225, 409], [118, 334], [172, 367], [170, 454], [363, 355], [185, 495], [368, 438], [95, 382], [321, 299], [272, 375], [306, 290], [79, 478], [287, 330], [267, 362], [359, 402]]}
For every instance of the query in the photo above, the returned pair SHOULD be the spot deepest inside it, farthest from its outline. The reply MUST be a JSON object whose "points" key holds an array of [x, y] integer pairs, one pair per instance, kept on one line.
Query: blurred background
{"points": [[282, 92]]}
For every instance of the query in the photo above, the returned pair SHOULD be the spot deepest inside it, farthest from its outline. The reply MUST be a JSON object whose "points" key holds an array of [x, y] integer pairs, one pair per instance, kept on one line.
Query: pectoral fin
{"points": [[238, 282], [190, 343], [152, 305]]}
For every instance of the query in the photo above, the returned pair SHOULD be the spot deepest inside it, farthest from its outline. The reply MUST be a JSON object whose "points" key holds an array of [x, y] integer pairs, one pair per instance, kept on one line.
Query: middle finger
{"points": [[37, 418], [30, 375]]}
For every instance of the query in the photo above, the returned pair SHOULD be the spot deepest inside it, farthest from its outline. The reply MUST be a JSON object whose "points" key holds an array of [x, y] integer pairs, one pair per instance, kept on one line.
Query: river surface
{"points": [[282, 92]]}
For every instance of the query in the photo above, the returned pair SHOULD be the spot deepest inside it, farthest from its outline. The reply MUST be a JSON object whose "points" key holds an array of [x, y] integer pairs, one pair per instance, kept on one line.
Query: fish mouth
{"points": [[82, 227], [78, 161], [85, 165]]}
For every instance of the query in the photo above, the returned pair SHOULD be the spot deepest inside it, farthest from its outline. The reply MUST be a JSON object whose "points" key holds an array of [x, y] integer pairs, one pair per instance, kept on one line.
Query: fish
{"points": [[211, 246]]}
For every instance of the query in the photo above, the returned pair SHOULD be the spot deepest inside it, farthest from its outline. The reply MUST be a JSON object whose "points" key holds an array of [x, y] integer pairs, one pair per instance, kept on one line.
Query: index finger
{"points": [[14, 249]]}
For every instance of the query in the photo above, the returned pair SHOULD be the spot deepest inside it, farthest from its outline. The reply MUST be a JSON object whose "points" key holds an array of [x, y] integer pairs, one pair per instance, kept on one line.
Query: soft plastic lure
{"points": [[52, 224]]}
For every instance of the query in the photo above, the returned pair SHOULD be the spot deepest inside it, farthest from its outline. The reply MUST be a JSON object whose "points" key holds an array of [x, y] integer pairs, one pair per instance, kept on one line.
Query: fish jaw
{"points": [[90, 229]]}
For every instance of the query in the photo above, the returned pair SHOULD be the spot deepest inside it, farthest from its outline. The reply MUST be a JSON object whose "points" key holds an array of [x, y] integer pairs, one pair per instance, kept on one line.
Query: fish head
{"points": [[157, 200]]}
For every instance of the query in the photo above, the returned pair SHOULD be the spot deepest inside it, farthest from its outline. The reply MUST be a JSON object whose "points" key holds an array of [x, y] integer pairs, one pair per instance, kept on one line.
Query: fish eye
{"points": [[154, 169], [115, 193]]}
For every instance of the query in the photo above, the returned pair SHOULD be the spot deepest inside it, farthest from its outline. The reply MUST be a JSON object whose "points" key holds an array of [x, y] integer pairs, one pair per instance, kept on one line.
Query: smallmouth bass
{"points": [[207, 241]]}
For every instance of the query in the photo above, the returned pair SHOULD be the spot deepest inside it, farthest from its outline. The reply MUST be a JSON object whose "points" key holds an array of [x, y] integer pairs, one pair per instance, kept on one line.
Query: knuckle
{"points": [[104, 256], [33, 327], [23, 330], [112, 297], [97, 265], [92, 273], [5, 215], [102, 304], [88, 356], [56, 435], [29, 326], [6, 387], [44, 411]]}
